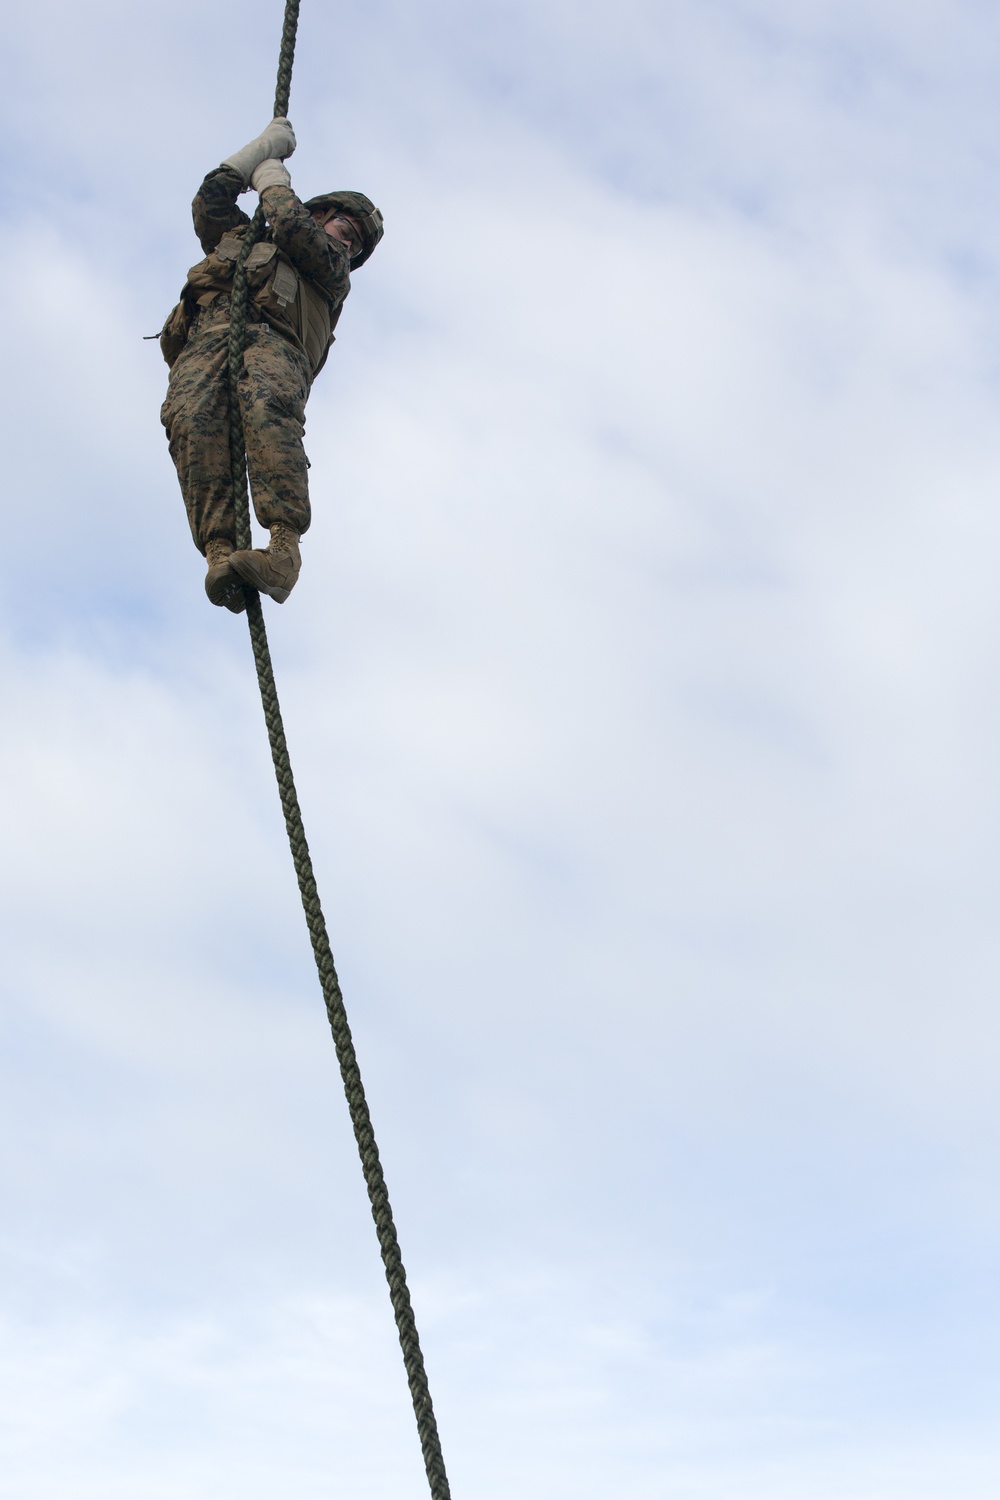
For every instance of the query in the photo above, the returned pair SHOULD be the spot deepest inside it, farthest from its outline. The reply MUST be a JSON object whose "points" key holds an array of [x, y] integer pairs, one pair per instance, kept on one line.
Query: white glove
{"points": [[277, 140], [270, 173]]}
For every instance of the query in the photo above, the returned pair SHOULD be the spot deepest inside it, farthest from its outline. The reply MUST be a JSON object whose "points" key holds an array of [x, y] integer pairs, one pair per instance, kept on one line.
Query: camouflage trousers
{"points": [[273, 390]]}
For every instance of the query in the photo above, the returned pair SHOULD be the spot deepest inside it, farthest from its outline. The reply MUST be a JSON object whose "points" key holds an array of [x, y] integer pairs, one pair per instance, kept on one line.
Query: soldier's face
{"points": [[341, 228]]}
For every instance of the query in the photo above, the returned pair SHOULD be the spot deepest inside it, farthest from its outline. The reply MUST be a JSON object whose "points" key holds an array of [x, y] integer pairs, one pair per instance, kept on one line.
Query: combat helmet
{"points": [[362, 210]]}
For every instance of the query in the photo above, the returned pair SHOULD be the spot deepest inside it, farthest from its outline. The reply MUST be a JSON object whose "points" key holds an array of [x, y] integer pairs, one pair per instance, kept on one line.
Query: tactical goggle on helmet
{"points": [[359, 208]]}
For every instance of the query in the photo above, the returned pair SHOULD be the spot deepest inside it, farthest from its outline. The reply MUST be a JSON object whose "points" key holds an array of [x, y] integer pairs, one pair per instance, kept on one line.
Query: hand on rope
{"points": [[277, 140], [270, 173]]}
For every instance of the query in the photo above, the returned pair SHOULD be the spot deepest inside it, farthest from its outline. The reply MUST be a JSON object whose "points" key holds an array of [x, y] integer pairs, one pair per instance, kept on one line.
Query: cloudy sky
{"points": [[643, 689]]}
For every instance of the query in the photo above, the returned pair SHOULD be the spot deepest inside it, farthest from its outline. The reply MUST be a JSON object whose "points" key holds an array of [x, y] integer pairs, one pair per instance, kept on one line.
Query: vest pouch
{"points": [[215, 272], [228, 247], [274, 291], [259, 266], [174, 334], [285, 284]]}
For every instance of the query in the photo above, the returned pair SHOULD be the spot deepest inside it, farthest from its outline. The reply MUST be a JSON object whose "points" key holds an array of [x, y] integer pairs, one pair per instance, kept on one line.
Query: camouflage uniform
{"points": [[277, 371]]}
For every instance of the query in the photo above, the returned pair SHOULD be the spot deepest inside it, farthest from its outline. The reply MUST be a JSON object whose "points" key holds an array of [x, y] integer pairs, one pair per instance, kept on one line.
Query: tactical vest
{"points": [[284, 298]]}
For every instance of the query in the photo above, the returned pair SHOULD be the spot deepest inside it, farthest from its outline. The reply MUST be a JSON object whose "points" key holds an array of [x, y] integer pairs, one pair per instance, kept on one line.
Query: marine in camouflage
{"points": [[277, 373]]}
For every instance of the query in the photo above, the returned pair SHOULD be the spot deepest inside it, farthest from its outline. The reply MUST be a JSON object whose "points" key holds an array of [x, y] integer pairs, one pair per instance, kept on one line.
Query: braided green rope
{"points": [[350, 1073]]}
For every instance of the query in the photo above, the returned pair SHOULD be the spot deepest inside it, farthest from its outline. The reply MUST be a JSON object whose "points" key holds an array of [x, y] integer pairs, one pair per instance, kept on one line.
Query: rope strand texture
{"points": [[357, 1104]]}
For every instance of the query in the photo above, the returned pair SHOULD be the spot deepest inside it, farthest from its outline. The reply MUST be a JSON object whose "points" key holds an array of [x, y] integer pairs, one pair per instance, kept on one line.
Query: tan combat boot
{"points": [[273, 569], [222, 585]]}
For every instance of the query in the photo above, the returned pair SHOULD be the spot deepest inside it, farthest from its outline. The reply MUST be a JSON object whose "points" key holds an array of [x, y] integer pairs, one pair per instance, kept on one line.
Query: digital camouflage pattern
{"points": [[276, 378], [273, 390]]}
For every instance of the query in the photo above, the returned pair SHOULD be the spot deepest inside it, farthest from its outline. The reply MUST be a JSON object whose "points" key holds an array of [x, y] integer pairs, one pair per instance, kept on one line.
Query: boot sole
{"points": [[226, 590]]}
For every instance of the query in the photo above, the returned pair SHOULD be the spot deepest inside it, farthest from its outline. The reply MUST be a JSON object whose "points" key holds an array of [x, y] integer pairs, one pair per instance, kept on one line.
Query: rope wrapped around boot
{"points": [[371, 1166]]}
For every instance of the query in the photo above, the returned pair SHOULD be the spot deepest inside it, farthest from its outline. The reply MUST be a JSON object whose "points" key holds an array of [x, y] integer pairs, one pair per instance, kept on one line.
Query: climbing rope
{"points": [[399, 1294]]}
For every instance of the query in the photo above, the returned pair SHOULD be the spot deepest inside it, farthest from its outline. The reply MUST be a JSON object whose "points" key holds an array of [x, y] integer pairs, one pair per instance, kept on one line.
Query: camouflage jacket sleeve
{"points": [[214, 208], [316, 256]]}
